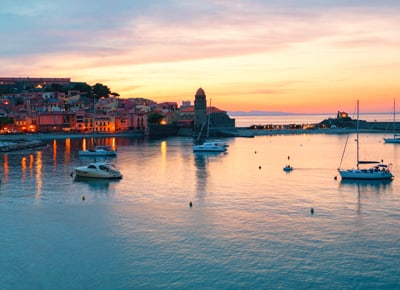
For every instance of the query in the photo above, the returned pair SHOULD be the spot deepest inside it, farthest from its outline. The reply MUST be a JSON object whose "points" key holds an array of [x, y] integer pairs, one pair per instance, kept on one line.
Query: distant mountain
{"points": [[258, 113]]}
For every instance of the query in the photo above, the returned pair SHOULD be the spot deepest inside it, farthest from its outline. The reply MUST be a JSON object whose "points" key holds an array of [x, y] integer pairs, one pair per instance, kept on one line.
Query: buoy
{"points": [[312, 210], [190, 204], [83, 198]]}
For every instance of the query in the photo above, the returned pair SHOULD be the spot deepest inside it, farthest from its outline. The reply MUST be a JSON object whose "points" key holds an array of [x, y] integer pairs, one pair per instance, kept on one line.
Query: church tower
{"points": [[200, 110]]}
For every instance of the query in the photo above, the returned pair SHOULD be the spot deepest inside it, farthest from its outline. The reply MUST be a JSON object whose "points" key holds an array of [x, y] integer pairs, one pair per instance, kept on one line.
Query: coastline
{"points": [[267, 132], [16, 142], [240, 132]]}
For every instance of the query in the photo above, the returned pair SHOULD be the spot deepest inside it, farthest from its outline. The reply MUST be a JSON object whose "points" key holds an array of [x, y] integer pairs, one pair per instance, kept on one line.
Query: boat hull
{"points": [[210, 147], [392, 140], [365, 174], [288, 168], [92, 174]]}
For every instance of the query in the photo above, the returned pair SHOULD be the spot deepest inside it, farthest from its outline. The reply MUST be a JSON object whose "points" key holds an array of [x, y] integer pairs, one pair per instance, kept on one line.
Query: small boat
{"points": [[99, 151], [287, 168], [102, 170], [380, 171], [210, 147]]}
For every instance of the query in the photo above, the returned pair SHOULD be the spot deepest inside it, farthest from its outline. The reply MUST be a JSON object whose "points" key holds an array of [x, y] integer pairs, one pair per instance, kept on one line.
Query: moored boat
{"points": [[99, 151], [210, 147], [380, 171], [102, 170], [287, 168]]}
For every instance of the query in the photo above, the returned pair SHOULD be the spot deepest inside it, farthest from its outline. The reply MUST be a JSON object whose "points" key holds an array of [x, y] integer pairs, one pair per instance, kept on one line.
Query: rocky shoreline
{"points": [[17, 142], [22, 144]]}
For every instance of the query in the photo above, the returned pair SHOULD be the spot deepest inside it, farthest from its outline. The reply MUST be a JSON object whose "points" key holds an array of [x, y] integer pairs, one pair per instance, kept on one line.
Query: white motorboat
{"points": [[99, 151], [210, 147], [380, 171], [102, 170]]}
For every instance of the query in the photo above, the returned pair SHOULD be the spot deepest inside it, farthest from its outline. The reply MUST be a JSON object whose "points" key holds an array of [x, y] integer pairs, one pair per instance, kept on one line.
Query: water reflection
{"points": [[102, 185], [365, 188], [39, 181], [6, 168], [90, 142], [201, 161], [366, 185]]}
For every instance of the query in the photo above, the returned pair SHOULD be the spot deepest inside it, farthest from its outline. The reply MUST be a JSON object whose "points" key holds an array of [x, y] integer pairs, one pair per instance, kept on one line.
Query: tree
{"points": [[6, 121], [82, 87], [154, 118], [100, 91], [55, 88]]}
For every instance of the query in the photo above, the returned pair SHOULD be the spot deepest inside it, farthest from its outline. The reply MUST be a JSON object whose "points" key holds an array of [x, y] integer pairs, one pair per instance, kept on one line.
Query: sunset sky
{"points": [[299, 56]]}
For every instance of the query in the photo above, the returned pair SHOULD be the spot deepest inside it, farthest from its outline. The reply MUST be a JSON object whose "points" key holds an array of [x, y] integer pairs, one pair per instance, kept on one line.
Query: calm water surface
{"points": [[250, 225]]}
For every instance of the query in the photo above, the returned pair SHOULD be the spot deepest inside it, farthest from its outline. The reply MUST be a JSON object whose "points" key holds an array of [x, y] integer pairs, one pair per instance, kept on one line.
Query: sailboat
{"points": [[98, 150], [396, 137], [379, 171], [209, 146]]}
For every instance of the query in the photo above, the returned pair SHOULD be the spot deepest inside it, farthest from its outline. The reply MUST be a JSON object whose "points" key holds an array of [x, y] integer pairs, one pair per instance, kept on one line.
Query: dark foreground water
{"points": [[250, 226]]}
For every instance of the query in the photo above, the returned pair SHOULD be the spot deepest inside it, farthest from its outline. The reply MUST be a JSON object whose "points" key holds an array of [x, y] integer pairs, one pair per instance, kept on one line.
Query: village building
{"points": [[57, 105]]}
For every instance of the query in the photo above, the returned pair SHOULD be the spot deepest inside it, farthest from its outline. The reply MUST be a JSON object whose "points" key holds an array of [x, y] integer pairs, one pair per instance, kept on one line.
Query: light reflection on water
{"points": [[250, 224]]}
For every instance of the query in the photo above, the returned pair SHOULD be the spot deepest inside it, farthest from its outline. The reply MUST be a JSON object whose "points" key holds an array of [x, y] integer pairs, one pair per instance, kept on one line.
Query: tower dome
{"points": [[200, 92]]}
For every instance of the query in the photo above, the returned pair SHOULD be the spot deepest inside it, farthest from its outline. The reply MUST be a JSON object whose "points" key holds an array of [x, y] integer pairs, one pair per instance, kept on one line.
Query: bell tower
{"points": [[200, 110]]}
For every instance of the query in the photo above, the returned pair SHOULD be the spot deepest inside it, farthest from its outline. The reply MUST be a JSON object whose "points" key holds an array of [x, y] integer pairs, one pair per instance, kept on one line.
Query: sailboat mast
{"points": [[208, 121], [358, 147], [394, 118], [94, 121]]}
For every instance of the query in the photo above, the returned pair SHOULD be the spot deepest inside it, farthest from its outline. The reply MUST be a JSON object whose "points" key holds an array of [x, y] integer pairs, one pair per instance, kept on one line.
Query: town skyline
{"points": [[286, 56]]}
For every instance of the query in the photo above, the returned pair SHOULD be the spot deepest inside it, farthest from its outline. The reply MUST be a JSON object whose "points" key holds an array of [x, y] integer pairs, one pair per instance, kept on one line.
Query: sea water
{"points": [[250, 225]]}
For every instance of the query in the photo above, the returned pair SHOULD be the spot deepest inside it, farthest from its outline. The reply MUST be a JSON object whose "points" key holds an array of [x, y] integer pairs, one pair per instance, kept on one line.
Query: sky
{"points": [[299, 56]]}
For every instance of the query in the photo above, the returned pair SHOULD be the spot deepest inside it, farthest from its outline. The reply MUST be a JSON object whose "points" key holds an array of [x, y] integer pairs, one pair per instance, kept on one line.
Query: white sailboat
{"points": [[379, 171], [396, 137], [103, 150], [209, 146]]}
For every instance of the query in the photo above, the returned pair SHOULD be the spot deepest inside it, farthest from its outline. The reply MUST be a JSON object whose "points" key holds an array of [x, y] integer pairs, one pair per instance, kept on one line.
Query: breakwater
{"points": [[21, 144]]}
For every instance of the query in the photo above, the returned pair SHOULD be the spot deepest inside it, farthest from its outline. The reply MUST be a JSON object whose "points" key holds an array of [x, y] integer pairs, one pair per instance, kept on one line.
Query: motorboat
{"points": [[287, 168], [102, 170], [99, 151], [210, 147], [379, 171]]}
